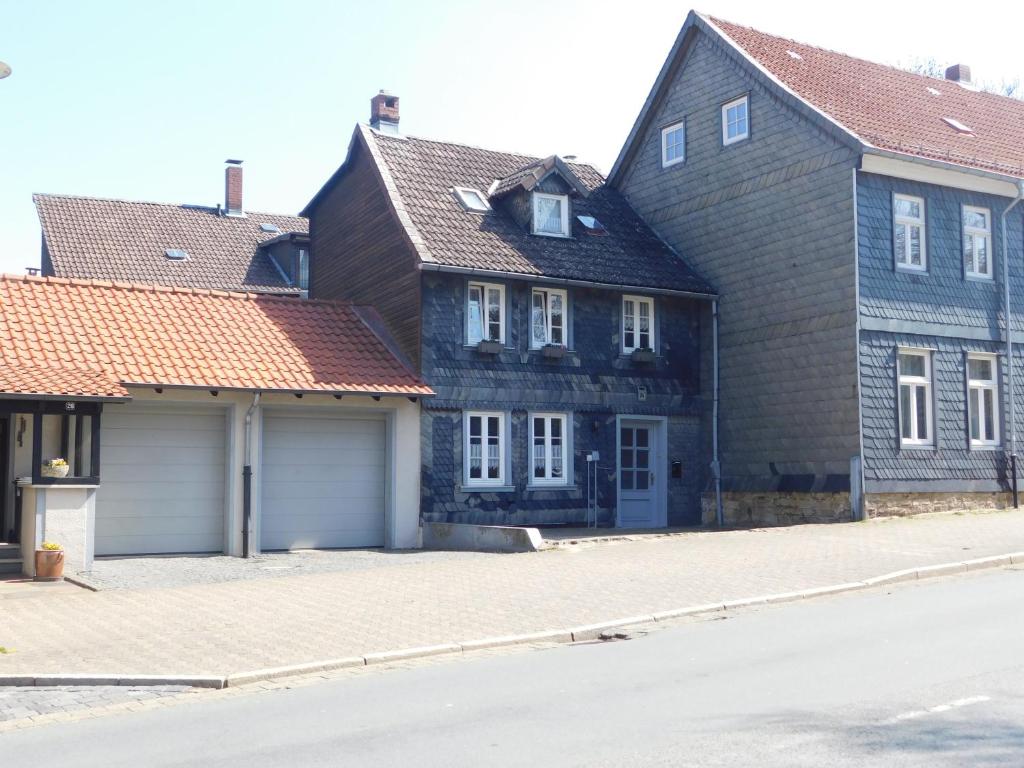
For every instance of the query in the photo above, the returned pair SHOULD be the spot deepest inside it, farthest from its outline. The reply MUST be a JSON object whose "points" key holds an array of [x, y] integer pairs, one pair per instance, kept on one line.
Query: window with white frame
{"points": [[982, 407], [673, 144], [637, 323], [977, 226], [915, 404], [547, 318], [485, 313], [735, 120], [548, 449], [908, 233], [485, 448], [550, 214], [472, 199]]}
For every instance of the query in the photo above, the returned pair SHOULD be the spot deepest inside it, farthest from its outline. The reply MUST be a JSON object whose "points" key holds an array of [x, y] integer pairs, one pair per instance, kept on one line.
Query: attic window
{"points": [[176, 254], [592, 225], [472, 200], [795, 55], [956, 125], [550, 215], [270, 228]]}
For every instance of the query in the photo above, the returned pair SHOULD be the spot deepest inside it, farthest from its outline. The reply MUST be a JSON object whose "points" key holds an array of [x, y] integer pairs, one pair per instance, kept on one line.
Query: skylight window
{"points": [[472, 200], [956, 125], [934, 91], [176, 254], [795, 55], [270, 228], [592, 225]]}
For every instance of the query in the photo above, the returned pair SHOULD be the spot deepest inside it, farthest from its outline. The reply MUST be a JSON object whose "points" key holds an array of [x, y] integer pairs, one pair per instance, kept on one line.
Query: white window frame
{"points": [[537, 196], [726, 140], [916, 383], [566, 421], [549, 294], [976, 389], [462, 193], [667, 162], [908, 223], [484, 416], [975, 233], [484, 289], [638, 300]]}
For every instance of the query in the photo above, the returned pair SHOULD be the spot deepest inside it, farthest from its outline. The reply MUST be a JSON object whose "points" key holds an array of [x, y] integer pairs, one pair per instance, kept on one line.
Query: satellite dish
{"points": [[4, 70]]}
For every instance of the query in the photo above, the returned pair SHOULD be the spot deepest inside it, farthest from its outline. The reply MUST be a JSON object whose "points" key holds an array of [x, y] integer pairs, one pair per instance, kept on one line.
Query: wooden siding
{"points": [[360, 252]]}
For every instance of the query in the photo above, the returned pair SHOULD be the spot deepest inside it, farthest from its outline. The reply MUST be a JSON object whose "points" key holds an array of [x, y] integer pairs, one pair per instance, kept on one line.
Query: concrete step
{"points": [[10, 565]]}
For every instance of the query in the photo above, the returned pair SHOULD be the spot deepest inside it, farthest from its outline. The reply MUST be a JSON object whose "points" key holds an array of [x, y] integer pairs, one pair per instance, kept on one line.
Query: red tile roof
{"points": [[89, 237], [892, 109], [88, 338]]}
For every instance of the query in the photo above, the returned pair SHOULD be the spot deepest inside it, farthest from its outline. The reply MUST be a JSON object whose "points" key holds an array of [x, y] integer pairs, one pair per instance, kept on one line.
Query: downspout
{"points": [[1008, 330], [716, 469], [247, 477]]}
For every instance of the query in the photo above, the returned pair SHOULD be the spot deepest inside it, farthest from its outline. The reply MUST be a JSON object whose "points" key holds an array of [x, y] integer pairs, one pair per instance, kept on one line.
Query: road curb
{"points": [[583, 633]]}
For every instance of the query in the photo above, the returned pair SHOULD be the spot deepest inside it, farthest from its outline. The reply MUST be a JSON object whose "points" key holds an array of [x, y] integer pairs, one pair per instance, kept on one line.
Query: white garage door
{"points": [[323, 482], [161, 481]]}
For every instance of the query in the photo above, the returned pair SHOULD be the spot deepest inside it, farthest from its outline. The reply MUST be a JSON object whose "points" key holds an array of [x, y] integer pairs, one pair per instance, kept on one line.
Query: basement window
{"points": [[176, 254], [472, 200]]}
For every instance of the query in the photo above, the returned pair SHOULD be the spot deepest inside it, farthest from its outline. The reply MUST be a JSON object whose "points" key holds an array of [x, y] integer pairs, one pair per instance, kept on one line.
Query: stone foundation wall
{"points": [[901, 504], [771, 508]]}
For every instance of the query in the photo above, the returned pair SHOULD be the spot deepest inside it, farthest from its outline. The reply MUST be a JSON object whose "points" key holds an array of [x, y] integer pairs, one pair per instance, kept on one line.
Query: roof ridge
{"points": [[36, 196], [8, 277]]}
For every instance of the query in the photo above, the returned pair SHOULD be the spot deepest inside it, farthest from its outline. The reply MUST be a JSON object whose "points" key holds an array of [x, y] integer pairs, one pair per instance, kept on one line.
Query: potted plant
{"points": [[50, 562], [553, 350], [489, 346], [54, 468], [643, 355]]}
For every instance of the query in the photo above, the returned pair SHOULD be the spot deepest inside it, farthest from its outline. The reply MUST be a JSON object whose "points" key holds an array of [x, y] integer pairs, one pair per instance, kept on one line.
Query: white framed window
{"points": [[673, 144], [735, 120], [549, 449], [982, 401], [908, 233], [977, 225], [550, 214], [485, 313], [472, 199], [914, 369], [548, 317], [637, 323], [484, 450]]}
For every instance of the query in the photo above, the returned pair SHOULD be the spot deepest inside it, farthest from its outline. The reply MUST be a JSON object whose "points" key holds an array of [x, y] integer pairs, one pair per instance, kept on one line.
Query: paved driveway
{"points": [[250, 624]]}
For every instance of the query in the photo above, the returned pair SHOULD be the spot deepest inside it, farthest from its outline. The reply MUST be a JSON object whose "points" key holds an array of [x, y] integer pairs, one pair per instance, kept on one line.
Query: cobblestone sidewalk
{"points": [[237, 626]]}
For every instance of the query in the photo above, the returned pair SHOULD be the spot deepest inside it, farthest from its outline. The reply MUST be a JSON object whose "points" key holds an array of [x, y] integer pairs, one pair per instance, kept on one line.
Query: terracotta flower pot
{"points": [[49, 564]]}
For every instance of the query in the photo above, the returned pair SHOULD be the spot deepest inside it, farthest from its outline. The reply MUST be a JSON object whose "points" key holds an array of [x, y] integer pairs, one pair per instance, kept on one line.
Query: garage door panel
{"points": [[323, 482], [162, 481]]}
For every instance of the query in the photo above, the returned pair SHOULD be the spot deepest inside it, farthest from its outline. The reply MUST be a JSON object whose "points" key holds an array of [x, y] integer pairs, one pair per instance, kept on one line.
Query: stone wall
{"points": [[901, 504], [774, 508]]}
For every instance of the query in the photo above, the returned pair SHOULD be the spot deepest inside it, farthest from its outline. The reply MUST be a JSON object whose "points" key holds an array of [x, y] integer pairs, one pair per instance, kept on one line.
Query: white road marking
{"points": [[937, 709]]}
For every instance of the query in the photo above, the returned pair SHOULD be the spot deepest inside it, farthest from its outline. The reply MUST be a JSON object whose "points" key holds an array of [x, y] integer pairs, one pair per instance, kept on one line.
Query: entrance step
{"points": [[10, 558]]}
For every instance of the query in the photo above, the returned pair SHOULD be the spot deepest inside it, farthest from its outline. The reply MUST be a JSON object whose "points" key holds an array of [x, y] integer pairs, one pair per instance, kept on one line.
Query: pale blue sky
{"points": [[144, 100]]}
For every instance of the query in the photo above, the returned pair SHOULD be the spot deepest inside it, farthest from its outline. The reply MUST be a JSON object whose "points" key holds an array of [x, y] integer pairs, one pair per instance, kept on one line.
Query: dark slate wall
{"points": [[594, 382], [769, 222]]}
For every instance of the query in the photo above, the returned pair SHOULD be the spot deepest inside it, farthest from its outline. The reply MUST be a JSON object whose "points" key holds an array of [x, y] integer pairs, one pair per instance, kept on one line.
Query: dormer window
{"points": [[472, 200], [550, 215]]}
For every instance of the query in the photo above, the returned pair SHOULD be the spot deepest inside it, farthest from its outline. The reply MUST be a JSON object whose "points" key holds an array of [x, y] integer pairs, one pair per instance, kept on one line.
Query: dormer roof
{"points": [[532, 174]]}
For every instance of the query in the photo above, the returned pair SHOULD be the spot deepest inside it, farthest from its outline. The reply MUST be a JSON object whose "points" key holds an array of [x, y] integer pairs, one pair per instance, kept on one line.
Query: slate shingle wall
{"points": [[769, 222], [594, 384]]}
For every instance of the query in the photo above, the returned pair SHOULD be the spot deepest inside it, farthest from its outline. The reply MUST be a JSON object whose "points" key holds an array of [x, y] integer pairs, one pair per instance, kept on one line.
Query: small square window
{"points": [[472, 200], [550, 215], [673, 144], [735, 121]]}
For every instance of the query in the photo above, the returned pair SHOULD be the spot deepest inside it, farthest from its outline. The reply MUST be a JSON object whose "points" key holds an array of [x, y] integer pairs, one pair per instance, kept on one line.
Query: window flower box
{"points": [[643, 356], [54, 468], [553, 351], [489, 347]]}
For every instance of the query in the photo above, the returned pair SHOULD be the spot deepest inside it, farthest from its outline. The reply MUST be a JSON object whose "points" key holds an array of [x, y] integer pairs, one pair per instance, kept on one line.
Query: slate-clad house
{"points": [[561, 336], [860, 223], [190, 246]]}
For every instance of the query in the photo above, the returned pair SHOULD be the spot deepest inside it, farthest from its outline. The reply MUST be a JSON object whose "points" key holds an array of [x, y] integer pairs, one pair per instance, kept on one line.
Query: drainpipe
{"points": [[716, 469], [1012, 429], [247, 477]]}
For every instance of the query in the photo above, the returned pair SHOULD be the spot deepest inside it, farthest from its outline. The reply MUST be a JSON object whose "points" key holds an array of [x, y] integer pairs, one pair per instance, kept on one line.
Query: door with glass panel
{"points": [[638, 494]]}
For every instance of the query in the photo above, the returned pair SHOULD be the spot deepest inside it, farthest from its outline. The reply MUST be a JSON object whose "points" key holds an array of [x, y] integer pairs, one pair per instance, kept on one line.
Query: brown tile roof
{"points": [[124, 240], [421, 174], [892, 109], [90, 337]]}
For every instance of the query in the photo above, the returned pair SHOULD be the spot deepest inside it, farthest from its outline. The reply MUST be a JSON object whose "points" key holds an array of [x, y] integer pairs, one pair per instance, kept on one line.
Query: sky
{"points": [[144, 100]]}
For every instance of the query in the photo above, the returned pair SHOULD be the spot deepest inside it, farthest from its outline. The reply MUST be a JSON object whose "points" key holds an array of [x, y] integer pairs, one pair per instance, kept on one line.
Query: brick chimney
{"points": [[233, 188], [959, 73], [384, 112]]}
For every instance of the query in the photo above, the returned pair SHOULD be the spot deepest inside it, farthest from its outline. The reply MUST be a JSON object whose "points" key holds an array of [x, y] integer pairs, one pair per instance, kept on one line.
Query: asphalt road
{"points": [[929, 674]]}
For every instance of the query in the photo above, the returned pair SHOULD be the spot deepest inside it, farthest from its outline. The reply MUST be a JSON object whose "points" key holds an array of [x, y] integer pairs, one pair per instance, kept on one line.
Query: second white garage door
{"points": [[323, 482], [162, 475]]}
